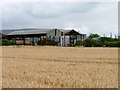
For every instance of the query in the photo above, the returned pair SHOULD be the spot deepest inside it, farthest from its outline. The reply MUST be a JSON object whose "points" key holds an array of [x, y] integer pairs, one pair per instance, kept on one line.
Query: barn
{"points": [[31, 36]]}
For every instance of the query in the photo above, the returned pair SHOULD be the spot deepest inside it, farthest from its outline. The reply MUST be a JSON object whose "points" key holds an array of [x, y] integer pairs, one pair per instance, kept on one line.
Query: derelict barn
{"points": [[59, 37]]}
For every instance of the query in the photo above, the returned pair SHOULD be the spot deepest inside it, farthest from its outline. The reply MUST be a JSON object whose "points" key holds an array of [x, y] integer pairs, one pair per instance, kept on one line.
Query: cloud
{"points": [[56, 9], [86, 17]]}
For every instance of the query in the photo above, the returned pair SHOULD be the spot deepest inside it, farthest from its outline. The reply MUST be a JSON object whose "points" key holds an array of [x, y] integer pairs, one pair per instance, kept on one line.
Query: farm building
{"points": [[118, 37], [58, 37]]}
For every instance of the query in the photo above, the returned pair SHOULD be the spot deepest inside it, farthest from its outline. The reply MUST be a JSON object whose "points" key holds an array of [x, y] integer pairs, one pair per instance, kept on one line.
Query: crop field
{"points": [[0, 69], [55, 67]]}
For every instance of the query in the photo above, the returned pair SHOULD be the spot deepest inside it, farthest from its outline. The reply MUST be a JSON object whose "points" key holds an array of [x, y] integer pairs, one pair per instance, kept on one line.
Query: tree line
{"points": [[95, 40]]}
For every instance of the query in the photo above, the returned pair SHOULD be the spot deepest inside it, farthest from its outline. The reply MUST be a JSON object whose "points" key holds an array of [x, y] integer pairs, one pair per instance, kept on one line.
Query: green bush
{"points": [[91, 43], [94, 40], [112, 44], [6, 42], [78, 43]]}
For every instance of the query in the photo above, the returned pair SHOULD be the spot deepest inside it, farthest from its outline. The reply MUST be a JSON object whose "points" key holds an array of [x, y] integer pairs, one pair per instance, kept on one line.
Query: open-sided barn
{"points": [[44, 36]]}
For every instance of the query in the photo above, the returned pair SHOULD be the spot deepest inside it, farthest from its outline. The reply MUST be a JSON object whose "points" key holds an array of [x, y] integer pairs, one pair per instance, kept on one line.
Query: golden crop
{"points": [[48, 66]]}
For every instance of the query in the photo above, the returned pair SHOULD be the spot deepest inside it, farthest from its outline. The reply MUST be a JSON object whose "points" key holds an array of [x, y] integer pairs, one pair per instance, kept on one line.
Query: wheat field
{"points": [[55, 67]]}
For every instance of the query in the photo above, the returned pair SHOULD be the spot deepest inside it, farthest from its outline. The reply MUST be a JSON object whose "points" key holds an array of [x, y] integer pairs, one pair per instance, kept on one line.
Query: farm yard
{"points": [[55, 67]]}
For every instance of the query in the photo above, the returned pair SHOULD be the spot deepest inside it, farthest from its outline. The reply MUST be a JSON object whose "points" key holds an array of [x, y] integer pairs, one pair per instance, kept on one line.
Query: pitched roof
{"points": [[64, 31], [33, 31], [68, 31]]}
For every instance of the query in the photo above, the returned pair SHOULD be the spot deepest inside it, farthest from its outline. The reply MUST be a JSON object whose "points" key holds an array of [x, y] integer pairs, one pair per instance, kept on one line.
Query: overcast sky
{"points": [[85, 17]]}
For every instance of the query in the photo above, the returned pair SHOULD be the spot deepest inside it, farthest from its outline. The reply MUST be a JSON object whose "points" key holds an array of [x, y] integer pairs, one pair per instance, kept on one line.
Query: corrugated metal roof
{"points": [[31, 31], [8, 31], [1, 35]]}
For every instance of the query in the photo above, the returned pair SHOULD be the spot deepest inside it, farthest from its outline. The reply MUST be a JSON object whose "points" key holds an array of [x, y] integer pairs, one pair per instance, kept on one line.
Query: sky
{"points": [[83, 16]]}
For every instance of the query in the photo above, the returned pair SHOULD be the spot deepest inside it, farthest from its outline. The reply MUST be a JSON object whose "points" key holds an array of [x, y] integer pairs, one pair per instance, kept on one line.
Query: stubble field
{"points": [[48, 67]]}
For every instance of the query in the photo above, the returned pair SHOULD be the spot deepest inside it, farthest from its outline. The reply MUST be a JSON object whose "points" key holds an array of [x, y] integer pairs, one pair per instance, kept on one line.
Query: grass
{"points": [[44, 66]]}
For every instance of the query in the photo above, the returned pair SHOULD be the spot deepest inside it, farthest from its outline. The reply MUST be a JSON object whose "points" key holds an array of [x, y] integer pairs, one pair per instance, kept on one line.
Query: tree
{"points": [[92, 36], [91, 43], [92, 40]]}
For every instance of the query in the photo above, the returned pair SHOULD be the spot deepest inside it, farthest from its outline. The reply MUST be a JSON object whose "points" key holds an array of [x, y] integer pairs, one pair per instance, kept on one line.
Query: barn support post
{"points": [[46, 40], [59, 41], [15, 40], [76, 39], [35, 41], [32, 41], [64, 41], [24, 40], [81, 37], [69, 40], [73, 41], [40, 38]]}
